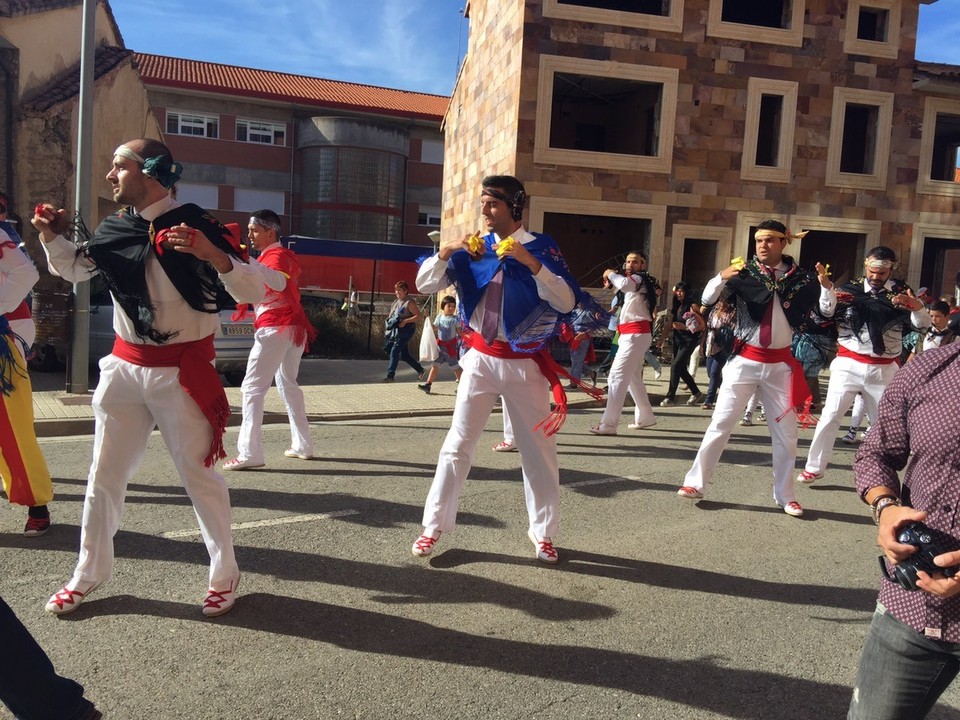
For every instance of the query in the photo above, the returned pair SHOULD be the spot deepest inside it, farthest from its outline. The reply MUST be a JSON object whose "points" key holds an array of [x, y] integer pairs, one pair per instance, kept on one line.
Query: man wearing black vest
{"points": [[162, 262], [871, 314], [773, 296]]}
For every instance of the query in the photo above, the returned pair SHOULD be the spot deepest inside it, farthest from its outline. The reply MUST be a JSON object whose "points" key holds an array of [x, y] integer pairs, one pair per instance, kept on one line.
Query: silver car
{"points": [[233, 342]]}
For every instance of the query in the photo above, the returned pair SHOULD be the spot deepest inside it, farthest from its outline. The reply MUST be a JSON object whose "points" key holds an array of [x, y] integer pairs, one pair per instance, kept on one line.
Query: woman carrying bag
{"points": [[400, 328]]}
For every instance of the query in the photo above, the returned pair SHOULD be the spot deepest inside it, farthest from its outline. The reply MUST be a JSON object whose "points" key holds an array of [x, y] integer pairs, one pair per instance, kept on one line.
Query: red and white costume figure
{"points": [[161, 372], [26, 478], [635, 325], [772, 296], [282, 334], [871, 314]]}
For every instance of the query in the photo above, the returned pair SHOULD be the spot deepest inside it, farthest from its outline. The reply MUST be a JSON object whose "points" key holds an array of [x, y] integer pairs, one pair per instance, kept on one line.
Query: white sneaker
{"points": [[850, 438], [291, 453], [657, 374], [747, 420]]}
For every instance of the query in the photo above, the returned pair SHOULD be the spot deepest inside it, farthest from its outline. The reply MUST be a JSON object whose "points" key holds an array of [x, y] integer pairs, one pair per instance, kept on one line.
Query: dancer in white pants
{"points": [[282, 333], [871, 314], [162, 262], [626, 372], [528, 288], [773, 296]]}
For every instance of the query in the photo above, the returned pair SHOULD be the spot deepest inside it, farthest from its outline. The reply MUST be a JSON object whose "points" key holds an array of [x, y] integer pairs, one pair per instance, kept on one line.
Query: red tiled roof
{"points": [[158, 70]]}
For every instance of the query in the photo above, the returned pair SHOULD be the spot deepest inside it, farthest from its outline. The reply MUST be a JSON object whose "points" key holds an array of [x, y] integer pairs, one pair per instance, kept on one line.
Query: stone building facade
{"points": [[677, 125]]}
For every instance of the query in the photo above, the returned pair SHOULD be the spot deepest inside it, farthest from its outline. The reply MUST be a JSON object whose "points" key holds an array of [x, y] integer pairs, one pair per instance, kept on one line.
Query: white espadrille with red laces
{"points": [[217, 602], [68, 599], [807, 477], [423, 545], [546, 552]]}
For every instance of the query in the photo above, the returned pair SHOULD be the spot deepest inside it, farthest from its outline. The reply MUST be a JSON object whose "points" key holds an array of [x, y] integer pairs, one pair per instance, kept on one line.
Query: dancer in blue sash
{"points": [[515, 291]]}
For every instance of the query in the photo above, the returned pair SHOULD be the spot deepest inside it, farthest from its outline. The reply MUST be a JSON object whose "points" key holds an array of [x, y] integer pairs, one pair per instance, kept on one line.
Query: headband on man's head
{"points": [[873, 263], [789, 236], [268, 224], [515, 204], [164, 172]]}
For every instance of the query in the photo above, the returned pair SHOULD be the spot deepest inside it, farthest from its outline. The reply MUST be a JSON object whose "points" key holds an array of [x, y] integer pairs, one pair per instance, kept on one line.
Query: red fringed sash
{"points": [[550, 370], [800, 397], [198, 378]]}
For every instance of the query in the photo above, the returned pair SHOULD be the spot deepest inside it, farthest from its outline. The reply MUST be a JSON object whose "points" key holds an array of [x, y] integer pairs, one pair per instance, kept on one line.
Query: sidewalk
{"points": [[334, 390]]}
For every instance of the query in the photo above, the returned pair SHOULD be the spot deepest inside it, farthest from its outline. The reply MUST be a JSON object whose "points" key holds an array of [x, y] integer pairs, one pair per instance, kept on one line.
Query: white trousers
{"points": [[128, 402], [741, 378], [273, 357], [525, 398], [626, 374], [847, 378]]}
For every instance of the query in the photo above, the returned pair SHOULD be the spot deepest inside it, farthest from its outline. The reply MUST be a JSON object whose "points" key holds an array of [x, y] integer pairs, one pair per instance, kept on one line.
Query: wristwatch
{"points": [[882, 502]]}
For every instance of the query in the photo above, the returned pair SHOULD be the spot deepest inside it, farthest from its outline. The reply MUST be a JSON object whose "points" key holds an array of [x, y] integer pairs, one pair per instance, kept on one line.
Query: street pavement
{"points": [[659, 608]]}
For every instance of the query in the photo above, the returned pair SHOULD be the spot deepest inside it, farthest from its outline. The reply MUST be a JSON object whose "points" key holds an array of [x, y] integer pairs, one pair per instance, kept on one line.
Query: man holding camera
{"points": [[912, 650]]}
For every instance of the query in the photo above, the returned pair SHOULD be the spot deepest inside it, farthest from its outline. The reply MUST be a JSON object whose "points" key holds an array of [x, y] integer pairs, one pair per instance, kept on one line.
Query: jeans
{"points": [[715, 365], [902, 673], [29, 686], [652, 360], [400, 350], [576, 359]]}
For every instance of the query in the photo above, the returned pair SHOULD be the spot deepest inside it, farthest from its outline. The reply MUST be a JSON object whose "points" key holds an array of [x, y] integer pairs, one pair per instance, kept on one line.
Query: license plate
{"points": [[238, 329]]}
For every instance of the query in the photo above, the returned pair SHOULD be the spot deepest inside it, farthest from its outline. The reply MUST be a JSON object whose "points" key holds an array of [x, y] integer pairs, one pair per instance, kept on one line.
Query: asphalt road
{"points": [[660, 608]]}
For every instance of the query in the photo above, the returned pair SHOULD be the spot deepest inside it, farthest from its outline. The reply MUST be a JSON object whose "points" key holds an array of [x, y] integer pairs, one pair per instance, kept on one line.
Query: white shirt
{"points": [[17, 277], [432, 277], [781, 334], [635, 302], [171, 312]]}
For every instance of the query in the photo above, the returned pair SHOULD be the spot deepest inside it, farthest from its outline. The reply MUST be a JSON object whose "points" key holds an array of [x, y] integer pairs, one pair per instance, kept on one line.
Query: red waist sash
{"points": [[860, 357], [21, 312], [197, 377], [548, 367], [637, 327], [450, 346], [800, 397]]}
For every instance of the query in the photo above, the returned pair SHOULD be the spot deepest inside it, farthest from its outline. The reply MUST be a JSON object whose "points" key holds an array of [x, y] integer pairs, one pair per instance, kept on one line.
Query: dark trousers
{"points": [[715, 365], [400, 350], [29, 686], [678, 368]]}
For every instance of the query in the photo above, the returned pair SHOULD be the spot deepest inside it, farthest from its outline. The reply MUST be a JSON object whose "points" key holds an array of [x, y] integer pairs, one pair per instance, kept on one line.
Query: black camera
{"points": [[905, 572]]}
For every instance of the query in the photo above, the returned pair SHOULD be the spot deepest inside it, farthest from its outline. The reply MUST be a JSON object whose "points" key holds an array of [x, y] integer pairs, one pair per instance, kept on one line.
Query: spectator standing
{"points": [[912, 649], [403, 317], [687, 328], [447, 327]]}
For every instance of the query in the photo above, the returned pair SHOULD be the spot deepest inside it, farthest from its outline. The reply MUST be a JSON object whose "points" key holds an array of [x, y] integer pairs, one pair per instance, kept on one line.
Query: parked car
{"points": [[232, 343]]}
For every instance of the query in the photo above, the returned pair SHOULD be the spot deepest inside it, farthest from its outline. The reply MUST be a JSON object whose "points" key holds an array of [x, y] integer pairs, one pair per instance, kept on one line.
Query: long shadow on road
{"points": [[704, 683]]}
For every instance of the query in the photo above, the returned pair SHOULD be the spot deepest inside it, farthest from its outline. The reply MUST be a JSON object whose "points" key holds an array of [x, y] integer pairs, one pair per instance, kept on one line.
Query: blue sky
{"points": [[406, 44]]}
